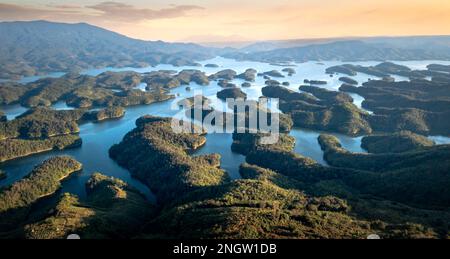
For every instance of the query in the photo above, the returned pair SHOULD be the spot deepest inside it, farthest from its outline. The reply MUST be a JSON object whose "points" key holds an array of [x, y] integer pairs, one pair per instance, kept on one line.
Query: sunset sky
{"points": [[242, 20]]}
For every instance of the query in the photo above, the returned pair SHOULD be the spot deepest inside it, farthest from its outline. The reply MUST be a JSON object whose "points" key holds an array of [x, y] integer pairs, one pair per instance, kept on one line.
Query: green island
{"points": [[226, 74], [15, 148], [395, 143], [112, 209], [333, 112], [44, 180], [152, 148], [43, 129], [106, 89], [249, 75]]}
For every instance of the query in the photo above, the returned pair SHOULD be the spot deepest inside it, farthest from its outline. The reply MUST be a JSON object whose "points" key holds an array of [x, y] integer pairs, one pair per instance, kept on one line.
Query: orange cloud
{"points": [[251, 19], [129, 13]]}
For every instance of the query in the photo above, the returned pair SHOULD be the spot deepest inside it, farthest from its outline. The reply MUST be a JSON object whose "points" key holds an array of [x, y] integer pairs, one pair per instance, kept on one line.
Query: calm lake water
{"points": [[99, 137]]}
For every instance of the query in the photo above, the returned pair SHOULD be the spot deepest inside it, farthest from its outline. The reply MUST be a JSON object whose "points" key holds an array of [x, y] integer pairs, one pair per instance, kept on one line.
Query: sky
{"points": [[242, 20]]}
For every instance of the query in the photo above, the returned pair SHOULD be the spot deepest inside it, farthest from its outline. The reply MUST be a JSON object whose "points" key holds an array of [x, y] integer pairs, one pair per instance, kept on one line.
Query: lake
{"points": [[99, 137]]}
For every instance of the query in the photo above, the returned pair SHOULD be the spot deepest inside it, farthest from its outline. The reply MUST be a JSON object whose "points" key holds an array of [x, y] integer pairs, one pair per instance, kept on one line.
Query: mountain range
{"points": [[30, 48], [41, 47]]}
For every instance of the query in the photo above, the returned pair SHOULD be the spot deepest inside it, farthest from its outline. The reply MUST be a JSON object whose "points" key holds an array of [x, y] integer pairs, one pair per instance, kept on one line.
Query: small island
{"points": [[249, 75], [402, 141], [315, 82], [348, 80], [227, 74], [211, 65], [273, 73], [109, 113], [233, 93]]}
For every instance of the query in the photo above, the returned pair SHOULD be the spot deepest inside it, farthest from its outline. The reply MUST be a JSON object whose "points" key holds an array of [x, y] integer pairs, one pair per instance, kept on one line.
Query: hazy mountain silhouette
{"points": [[39, 47]]}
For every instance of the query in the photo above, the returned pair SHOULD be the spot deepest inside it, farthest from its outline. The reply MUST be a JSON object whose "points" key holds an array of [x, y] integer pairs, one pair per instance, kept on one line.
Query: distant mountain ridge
{"points": [[392, 41], [41, 47], [36, 47], [349, 50]]}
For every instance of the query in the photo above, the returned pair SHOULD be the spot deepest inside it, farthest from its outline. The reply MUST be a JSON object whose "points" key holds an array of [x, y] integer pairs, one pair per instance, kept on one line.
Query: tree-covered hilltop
{"points": [[231, 93], [108, 113], [244, 143], [255, 209], [41, 123], [324, 110], [43, 129], [418, 177], [14, 148], [249, 75], [420, 94], [395, 143], [112, 209], [38, 47], [83, 91], [44, 180], [386, 69], [345, 50], [158, 156], [419, 106]]}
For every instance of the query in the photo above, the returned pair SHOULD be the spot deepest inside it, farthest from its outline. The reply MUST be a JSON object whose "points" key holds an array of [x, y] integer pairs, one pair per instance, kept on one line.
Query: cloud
{"points": [[129, 13], [17, 12], [105, 11]]}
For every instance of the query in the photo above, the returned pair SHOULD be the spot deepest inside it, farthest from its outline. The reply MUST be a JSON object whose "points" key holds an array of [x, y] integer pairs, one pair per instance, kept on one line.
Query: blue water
{"points": [[99, 137]]}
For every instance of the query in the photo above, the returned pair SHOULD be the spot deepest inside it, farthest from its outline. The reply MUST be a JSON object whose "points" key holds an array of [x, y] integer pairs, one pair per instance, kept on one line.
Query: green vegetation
{"points": [[249, 75], [382, 70], [417, 177], [290, 71], [348, 80], [233, 93], [272, 73], [112, 210], [15, 148], [315, 82], [158, 156], [41, 123], [29, 50], [227, 74], [420, 94], [327, 96], [244, 143], [3, 117], [44, 180], [106, 89], [255, 209], [10, 92], [168, 80], [17, 199], [332, 112], [113, 112], [395, 143], [344, 118]]}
